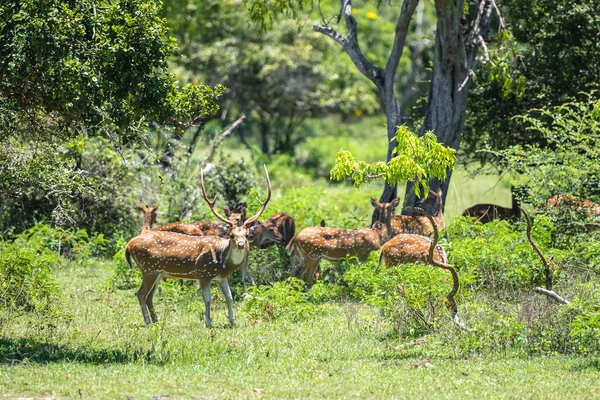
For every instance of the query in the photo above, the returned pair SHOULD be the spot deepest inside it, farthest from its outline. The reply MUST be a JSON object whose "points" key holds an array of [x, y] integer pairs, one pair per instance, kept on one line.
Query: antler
{"points": [[262, 205], [211, 204]]}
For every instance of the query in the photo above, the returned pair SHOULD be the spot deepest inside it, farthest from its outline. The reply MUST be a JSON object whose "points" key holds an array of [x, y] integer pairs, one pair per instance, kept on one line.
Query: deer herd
{"points": [[211, 251]]}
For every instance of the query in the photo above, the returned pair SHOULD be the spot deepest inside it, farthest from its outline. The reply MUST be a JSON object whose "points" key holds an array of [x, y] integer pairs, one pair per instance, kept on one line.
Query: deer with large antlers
{"points": [[160, 254], [418, 224], [261, 234], [313, 244]]}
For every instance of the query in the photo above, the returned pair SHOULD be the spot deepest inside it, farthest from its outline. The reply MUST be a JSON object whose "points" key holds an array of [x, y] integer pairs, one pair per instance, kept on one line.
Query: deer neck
{"points": [[384, 232], [147, 222], [235, 256], [515, 203]]}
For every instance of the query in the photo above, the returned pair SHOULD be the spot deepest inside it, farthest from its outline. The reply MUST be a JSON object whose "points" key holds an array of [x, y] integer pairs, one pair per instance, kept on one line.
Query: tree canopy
{"points": [[76, 69]]}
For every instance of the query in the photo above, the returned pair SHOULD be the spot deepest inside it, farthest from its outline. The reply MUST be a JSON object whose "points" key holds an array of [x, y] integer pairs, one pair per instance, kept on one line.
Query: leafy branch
{"points": [[418, 159]]}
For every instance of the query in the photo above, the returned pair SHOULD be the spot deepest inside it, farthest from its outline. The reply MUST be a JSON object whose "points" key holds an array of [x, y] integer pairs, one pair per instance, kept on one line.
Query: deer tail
{"points": [[442, 253], [128, 257], [381, 258], [291, 247]]}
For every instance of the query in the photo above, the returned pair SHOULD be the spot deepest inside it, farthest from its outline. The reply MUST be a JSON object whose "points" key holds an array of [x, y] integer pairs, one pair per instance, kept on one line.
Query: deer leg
{"points": [[224, 285], [311, 268], [150, 300], [148, 282], [205, 287], [246, 273]]}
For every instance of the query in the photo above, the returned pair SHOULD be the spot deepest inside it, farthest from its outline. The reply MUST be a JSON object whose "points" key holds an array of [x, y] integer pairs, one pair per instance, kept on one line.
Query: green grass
{"points": [[99, 348]]}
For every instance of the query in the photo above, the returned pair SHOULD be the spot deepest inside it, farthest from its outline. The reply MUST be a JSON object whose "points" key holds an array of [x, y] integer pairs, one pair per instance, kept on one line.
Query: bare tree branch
{"points": [[329, 31], [408, 9], [443, 265], [547, 267], [220, 137], [552, 295], [351, 46]]}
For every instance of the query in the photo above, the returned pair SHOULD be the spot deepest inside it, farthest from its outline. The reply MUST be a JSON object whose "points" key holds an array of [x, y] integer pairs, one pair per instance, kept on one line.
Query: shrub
{"points": [[411, 296], [284, 300], [497, 255], [26, 281], [268, 266], [124, 277], [68, 243]]}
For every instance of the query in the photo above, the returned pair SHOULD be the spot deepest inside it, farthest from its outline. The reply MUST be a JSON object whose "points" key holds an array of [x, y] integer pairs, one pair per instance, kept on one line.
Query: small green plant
{"points": [[26, 281], [418, 159], [284, 300]]}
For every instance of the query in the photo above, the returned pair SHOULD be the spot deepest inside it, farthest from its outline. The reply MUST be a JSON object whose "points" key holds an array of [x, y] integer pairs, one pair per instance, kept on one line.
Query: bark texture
{"points": [[455, 57]]}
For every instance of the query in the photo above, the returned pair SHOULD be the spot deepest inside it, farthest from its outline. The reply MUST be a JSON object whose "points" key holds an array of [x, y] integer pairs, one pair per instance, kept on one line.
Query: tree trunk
{"points": [[394, 119], [454, 61]]}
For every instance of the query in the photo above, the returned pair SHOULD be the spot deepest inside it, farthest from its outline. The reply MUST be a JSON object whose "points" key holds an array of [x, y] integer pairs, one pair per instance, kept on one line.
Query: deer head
{"points": [[149, 215], [386, 212], [238, 234]]}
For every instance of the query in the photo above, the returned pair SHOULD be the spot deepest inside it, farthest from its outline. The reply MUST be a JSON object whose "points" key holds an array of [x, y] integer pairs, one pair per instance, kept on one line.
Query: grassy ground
{"points": [[99, 348]]}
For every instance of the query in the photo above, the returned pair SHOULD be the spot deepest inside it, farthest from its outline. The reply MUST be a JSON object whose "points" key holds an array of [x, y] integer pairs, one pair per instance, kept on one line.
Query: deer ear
{"points": [[140, 206], [244, 209], [395, 202], [226, 211], [374, 202], [155, 207]]}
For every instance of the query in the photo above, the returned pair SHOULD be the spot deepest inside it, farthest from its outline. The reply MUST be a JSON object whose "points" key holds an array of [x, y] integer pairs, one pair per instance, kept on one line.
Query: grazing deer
{"points": [[485, 213], [419, 224], [409, 248], [160, 254], [315, 243]]}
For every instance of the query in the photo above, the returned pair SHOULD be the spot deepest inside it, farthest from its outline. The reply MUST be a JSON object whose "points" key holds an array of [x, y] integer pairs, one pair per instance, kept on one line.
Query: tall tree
{"points": [[276, 78], [462, 27]]}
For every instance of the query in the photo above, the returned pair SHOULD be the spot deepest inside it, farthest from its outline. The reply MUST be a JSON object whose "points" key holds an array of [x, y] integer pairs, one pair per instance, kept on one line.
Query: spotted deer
{"points": [[162, 254], [179, 227], [282, 222], [313, 244], [261, 234], [407, 248], [485, 213], [419, 224], [575, 202]]}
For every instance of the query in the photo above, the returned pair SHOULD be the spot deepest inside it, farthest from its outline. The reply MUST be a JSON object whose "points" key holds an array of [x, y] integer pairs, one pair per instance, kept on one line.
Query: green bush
{"points": [[26, 281], [412, 296], [124, 277], [268, 266], [284, 300], [497, 255], [68, 243]]}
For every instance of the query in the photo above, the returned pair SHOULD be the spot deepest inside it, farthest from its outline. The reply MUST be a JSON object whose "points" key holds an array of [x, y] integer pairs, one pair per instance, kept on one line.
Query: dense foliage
{"points": [[75, 70], [277, 78], [418, 159], [546, 57]]}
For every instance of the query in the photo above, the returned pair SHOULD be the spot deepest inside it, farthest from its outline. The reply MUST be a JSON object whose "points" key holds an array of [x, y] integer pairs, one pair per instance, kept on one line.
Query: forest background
{"points": [[106, 104]]}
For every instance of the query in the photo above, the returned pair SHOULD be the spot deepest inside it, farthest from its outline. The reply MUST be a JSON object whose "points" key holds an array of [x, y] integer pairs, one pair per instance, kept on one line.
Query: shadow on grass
{"points": [[586, 364], [28, 350]]}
